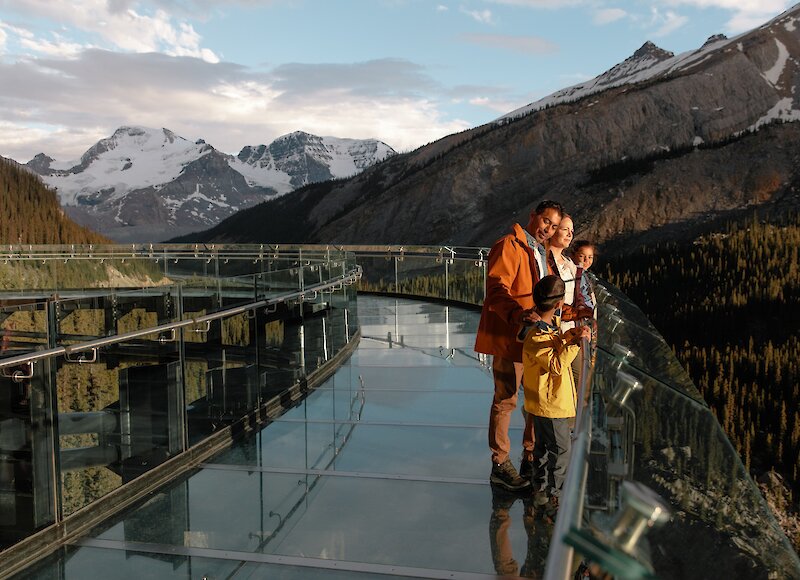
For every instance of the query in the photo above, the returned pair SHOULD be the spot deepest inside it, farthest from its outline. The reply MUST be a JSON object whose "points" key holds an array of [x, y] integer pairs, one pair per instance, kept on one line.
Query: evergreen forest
{"points": [[729, 305], [31, 212]]}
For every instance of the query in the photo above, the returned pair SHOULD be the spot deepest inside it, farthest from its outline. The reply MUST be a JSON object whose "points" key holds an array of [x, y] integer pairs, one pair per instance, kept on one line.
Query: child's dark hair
{"points": [[548, 292], [578, 244]]}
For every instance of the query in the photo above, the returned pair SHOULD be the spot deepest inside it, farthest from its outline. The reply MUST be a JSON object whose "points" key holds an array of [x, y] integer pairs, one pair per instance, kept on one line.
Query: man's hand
{"points": [[525, 317]]}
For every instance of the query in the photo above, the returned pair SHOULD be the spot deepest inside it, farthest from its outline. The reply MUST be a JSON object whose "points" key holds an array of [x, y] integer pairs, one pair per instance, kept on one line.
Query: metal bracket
{"points": [[81, 357], [203, 330], [171, 337], [18, 376]]}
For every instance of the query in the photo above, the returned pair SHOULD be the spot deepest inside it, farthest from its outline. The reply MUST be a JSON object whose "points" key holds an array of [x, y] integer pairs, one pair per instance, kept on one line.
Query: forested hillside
{"points": [[729, 304], [31, 213]]}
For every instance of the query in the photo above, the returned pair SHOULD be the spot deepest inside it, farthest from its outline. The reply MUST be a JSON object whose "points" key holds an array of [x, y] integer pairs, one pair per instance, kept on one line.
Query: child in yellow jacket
{"points": [[549, 386]]}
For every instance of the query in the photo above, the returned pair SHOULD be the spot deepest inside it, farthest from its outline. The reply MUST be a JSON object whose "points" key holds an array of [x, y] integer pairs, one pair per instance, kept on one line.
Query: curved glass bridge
{"points": [[241, 412]]}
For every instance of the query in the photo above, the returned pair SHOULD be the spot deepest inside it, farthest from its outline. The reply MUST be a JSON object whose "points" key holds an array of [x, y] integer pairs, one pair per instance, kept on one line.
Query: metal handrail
{"points": [[349, 278], [239, 251], [559, 556]]}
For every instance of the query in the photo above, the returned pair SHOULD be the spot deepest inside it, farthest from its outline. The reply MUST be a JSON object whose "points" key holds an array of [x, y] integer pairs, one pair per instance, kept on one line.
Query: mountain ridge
{"points": [[140, 180], [709, 136]]}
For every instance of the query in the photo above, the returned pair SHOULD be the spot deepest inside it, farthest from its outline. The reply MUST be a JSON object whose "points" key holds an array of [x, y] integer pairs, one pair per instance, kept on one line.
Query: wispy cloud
{"points": [[608, 15], [666, 23], [3, 37], [227, 104], [482, 16], [118, 25], [747, 14], [442, 8], [58, 47], [552, 4], [523, 44]]}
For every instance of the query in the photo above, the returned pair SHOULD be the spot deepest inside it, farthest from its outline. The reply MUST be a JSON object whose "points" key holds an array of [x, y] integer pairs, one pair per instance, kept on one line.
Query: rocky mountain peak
{"points": [[651, 51], [40, 163], [714, 38]]}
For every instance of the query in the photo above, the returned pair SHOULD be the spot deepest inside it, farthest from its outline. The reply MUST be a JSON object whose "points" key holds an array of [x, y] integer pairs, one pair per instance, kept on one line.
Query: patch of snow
{"points": [[263, 176], [774, 74], [782, 110], [698, 140], [790, 25]]}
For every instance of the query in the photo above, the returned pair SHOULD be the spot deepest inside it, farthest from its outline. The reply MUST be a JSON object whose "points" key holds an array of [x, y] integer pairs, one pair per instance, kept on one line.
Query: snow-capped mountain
{"points": [[143, 183], [300, 158], [651, 63]]}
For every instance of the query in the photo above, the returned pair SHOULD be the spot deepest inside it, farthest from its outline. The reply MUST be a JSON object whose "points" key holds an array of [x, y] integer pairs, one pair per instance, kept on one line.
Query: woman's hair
{"points": [[548, 292]]}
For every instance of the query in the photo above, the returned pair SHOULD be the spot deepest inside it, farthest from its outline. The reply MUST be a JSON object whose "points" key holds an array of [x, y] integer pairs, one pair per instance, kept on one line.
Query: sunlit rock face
{"points": [[658, 144]]}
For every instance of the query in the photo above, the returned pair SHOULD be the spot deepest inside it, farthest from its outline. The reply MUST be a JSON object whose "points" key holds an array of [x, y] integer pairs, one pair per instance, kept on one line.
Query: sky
{"points": [[243, 72]]}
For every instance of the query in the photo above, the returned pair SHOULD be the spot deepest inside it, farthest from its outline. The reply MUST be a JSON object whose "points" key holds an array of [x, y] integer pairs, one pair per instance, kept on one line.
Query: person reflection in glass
{"points": [[538, 523]]}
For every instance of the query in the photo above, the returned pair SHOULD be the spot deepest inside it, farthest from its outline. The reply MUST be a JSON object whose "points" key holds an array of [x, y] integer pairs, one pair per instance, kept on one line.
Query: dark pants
{"points": [[551, 452]]}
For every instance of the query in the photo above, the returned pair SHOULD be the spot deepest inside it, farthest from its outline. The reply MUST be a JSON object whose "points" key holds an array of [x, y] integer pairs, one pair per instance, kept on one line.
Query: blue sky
{"points": [[243, 72]]}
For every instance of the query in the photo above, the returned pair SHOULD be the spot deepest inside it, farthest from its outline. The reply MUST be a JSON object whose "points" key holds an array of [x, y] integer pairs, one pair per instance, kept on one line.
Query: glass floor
{"points": [[382, 472]]}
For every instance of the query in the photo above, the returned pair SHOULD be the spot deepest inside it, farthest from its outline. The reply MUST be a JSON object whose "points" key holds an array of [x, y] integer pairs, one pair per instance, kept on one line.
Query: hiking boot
{"points": [[505, 475], [526, 468]]}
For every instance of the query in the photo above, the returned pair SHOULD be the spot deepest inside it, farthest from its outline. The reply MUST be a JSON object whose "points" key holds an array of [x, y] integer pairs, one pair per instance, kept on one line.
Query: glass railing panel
{"points": [[379, 273], [120, 414], [221, 373], [623, 328], [466, 280], [23, 326], [179, 267], [27, 495], [650, 433], [423, 276], [99, 313], [278, 281]]}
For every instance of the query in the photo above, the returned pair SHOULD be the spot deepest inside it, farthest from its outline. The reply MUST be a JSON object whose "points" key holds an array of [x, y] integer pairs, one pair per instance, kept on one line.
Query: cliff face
{"points": [[671, 149]]}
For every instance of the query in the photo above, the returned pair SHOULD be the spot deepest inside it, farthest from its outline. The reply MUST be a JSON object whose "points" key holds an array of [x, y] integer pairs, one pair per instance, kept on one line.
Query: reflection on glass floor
{"points": [[381, 472]]}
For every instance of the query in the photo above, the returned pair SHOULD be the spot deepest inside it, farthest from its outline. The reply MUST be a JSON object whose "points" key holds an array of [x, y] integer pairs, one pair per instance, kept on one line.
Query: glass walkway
{"points": [[243, 412], [380, 472]]}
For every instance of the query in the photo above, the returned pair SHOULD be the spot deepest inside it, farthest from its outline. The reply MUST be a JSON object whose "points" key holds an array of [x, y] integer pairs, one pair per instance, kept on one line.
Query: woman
{"points": [[579, 298], [563, 267]]}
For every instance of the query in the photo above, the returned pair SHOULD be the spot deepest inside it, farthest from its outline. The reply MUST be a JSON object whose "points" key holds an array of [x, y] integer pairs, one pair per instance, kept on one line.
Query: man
{"points": [[516, 262]]}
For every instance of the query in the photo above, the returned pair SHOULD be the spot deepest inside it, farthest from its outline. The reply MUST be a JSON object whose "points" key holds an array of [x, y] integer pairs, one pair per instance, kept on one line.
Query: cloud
{"points": [[57, 48], [442, 8], [495, 105], [667, 22], [227, 104], [3, 37], [482, 16], [523, 44], [608, 15], [553, 4], [118, 24], [747, 14]]}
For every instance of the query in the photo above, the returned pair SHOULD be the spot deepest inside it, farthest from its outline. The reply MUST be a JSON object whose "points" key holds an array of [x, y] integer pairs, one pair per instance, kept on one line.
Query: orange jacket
{"points": [[510, 277]]}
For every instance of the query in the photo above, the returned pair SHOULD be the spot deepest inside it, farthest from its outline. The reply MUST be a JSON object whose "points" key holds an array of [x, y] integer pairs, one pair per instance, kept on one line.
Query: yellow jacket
{"points": [[547, 373]]}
